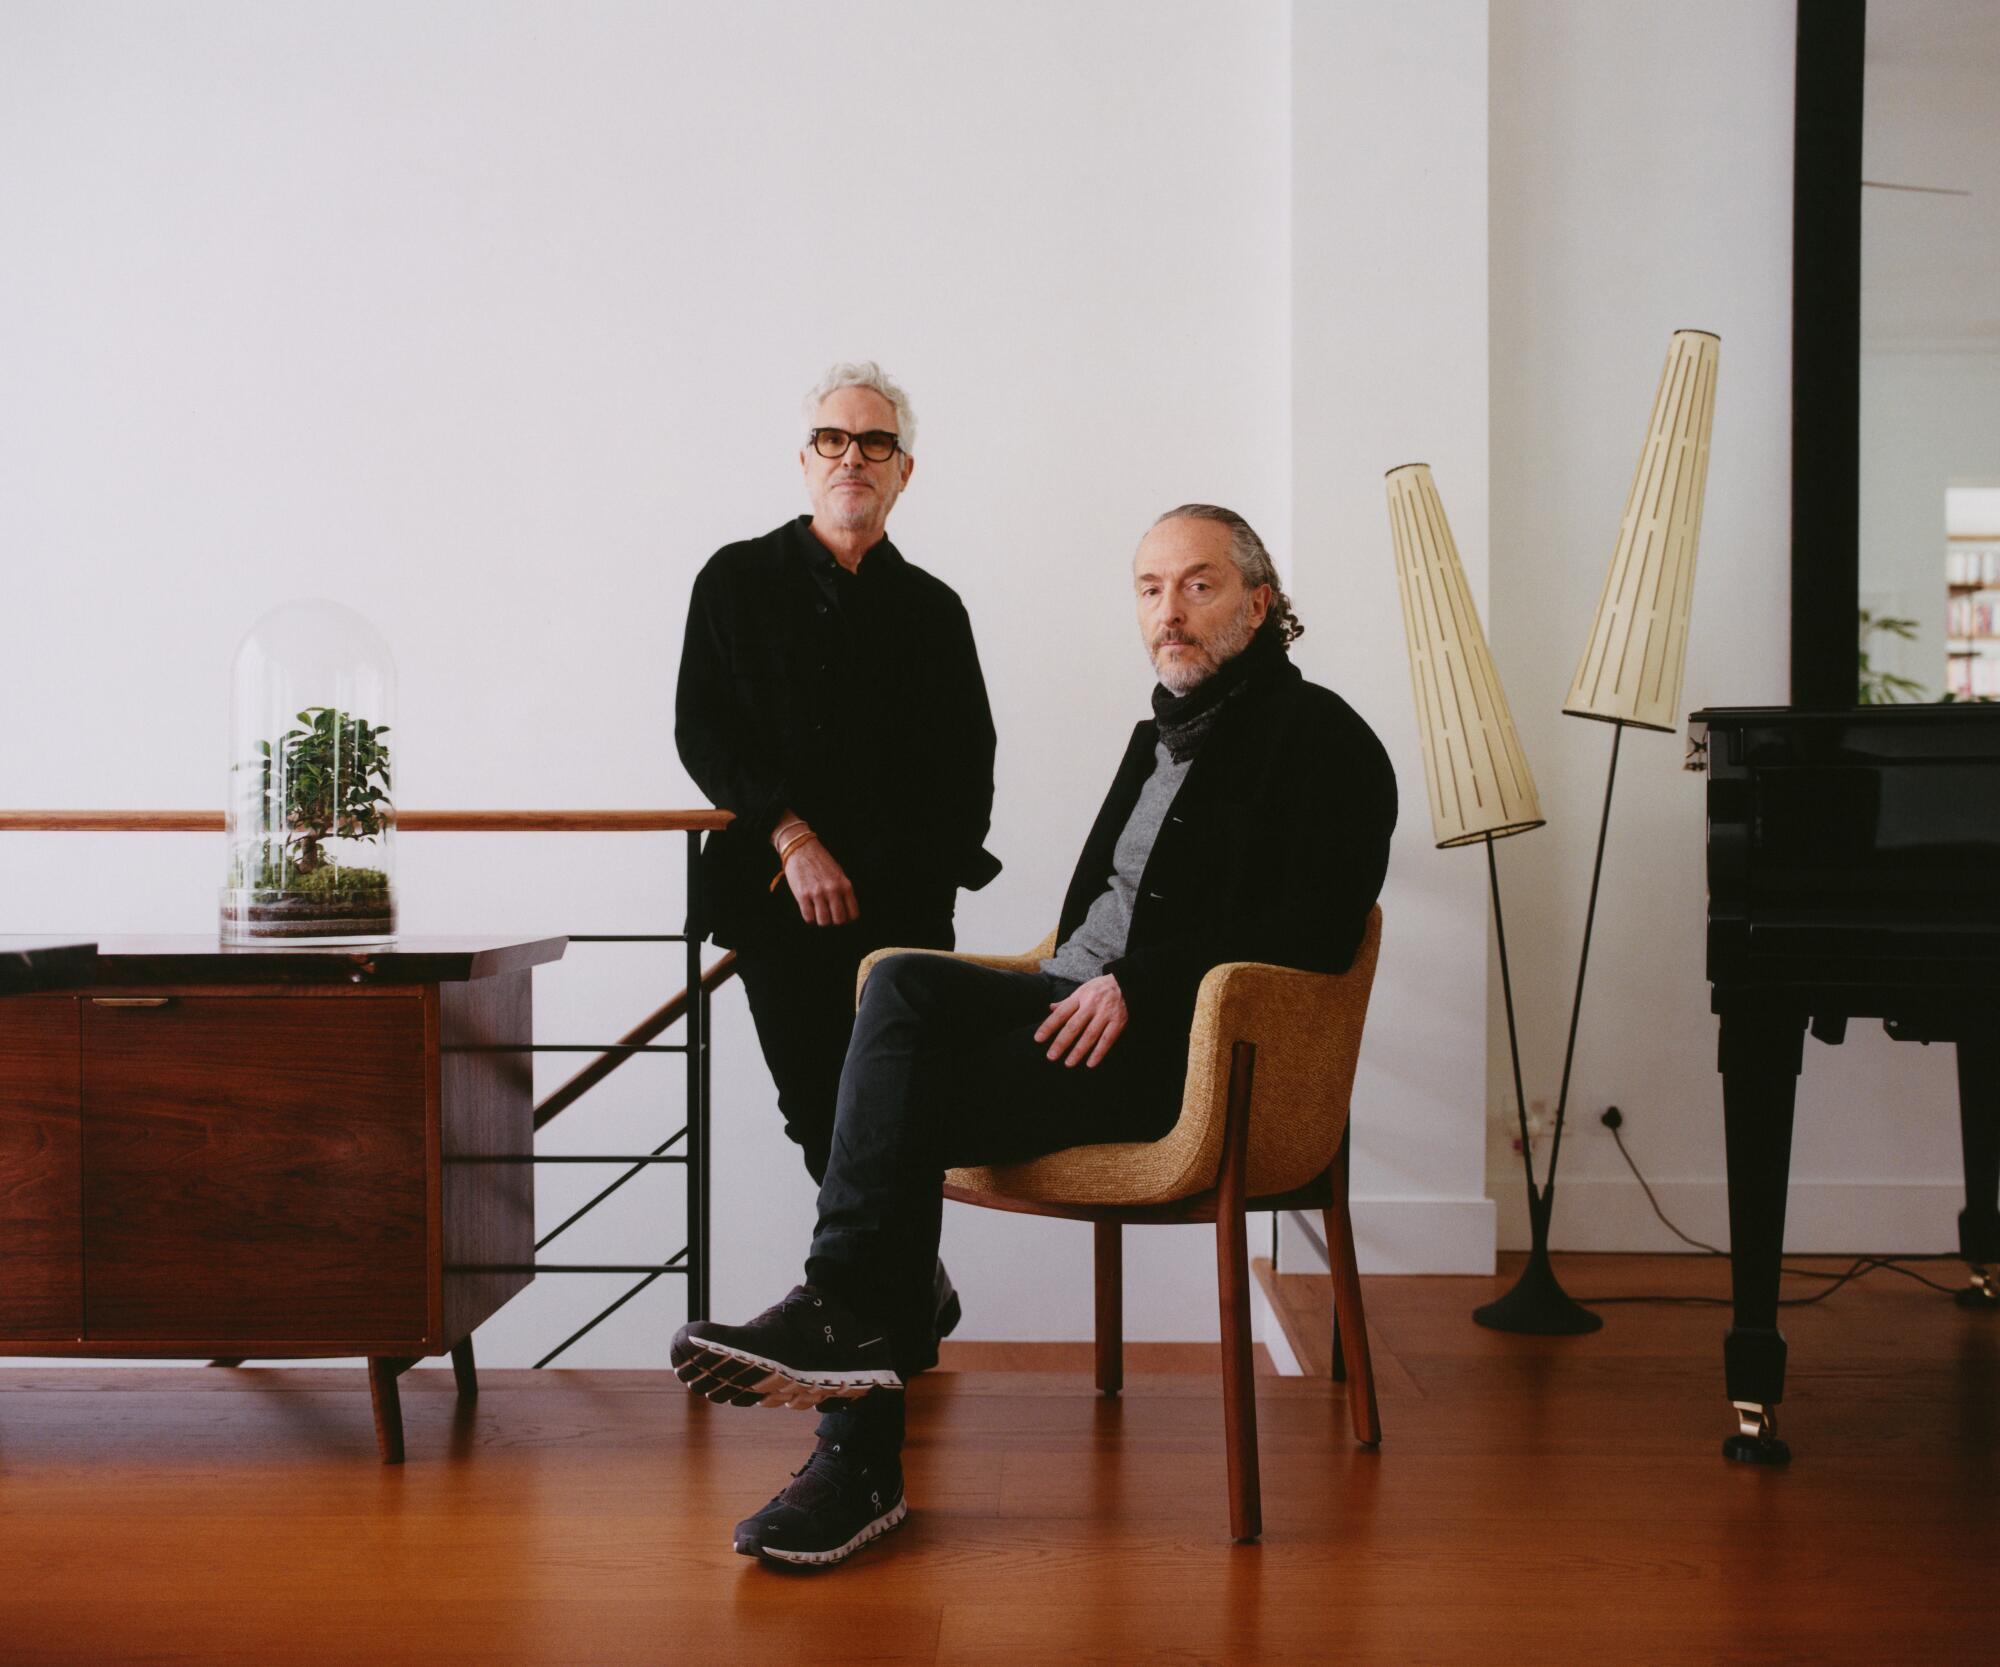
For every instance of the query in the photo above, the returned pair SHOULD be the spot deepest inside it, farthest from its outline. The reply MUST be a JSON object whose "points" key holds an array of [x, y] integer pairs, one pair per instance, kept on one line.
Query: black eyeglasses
{"points": [[878, 445]]}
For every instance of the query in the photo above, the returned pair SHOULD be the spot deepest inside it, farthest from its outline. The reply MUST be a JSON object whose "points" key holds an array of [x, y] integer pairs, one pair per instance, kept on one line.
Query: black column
{"points": [[1826, 352]]}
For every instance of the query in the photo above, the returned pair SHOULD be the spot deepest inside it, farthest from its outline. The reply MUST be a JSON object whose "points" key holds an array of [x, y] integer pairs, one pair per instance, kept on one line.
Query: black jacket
{"points": [[1273, 849], [856, 701]]}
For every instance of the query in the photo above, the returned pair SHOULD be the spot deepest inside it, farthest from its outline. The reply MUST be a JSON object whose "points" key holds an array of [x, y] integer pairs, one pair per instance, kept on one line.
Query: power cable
{"points": [[1614, 1120]]}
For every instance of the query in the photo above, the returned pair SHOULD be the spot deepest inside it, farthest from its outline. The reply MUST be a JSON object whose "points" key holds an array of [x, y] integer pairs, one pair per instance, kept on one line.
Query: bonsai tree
{"points": [[333, 776]]}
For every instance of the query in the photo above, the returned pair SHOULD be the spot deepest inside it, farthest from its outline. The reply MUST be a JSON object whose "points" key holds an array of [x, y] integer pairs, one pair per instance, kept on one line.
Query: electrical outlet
{"points": [[1613, 1119]]}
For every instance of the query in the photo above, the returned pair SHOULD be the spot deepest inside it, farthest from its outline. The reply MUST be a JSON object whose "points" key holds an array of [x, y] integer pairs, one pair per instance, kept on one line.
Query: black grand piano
{"points": [[1853, 874]]}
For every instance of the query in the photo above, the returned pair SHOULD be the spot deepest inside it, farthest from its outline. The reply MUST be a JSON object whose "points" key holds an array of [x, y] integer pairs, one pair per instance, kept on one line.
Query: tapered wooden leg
{"points": [[383, 1370], [1110, 1308], [463, 1370], [1232, 1268], [1350, 1332]]}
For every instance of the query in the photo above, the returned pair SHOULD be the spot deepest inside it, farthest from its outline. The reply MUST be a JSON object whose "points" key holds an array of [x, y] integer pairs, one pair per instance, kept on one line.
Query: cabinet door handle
{"points": [[131, 1001]]}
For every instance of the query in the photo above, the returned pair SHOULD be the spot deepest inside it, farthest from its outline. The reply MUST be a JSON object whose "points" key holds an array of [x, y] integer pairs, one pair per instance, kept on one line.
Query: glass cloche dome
{"points": [[311, 821]]}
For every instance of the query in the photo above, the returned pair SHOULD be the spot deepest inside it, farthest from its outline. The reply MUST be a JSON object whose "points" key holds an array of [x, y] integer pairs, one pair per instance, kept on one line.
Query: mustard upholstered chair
{"points": [[1263, 1126]]}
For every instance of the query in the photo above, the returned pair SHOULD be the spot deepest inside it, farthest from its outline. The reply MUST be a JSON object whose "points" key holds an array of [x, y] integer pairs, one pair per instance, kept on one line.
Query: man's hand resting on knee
{"points": [[1085, 1022]]}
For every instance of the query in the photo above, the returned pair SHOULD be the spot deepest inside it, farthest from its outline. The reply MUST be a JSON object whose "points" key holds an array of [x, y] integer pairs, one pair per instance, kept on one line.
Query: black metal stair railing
{"points": [[692, 1260]]}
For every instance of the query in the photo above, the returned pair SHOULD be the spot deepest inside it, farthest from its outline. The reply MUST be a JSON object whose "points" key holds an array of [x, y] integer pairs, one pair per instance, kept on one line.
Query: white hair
{"points": [[865, 373]]}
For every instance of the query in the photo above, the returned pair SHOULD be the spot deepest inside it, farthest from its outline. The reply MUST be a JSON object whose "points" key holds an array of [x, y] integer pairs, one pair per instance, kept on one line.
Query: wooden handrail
{"points": [[407, 821], [598, 1069], [447, 821]]}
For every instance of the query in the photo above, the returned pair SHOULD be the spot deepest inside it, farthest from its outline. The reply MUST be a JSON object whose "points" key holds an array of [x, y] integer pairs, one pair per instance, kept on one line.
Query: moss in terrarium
{"points": [[325, 884]]}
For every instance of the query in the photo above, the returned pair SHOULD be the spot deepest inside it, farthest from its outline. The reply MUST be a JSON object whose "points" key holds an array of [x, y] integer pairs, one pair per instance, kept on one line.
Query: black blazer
{"points": [[854, 700], [1273, 850]]}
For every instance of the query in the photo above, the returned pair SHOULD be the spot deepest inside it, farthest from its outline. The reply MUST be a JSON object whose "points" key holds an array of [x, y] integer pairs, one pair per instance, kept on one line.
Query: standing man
{"points": [[830, 698]]}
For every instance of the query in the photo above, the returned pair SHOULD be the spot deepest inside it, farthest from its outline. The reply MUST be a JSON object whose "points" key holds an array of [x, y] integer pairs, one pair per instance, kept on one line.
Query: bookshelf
{"points": [[1972, 615]]}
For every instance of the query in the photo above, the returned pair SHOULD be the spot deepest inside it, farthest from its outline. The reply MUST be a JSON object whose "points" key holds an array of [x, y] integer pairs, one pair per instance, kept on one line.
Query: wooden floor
{"points": [[1535, 1500]]}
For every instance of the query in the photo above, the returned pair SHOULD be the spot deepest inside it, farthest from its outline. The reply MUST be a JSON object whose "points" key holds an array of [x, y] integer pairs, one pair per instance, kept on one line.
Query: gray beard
{"points": [[1228, 642]]}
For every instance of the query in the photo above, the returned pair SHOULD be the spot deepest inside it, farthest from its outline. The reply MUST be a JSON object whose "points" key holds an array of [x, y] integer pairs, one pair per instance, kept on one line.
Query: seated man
{"points": [[1249, 821]]}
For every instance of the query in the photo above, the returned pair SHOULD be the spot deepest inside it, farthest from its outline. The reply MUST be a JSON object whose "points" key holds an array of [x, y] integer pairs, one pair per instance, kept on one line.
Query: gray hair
{"points": [[1252, 560], [865, 373]]}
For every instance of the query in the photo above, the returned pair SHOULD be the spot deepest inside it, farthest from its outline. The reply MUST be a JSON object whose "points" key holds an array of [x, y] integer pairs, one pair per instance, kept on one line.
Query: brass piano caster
{"points": [[1755, 1441], [1983, 1291]]}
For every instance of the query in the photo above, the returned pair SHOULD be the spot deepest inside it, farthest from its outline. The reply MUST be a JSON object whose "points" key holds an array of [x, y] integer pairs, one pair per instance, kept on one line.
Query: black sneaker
{"points": [[831, 1508], [805, 1350]]}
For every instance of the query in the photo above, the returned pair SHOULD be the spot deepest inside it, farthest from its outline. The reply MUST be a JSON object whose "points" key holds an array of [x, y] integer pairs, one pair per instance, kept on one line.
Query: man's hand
{"points": [[820, 886], [1085, 1022]]}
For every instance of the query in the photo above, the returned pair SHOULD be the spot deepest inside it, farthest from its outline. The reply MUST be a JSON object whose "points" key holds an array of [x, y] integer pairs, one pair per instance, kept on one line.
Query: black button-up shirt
{"points": [[855, 700]]}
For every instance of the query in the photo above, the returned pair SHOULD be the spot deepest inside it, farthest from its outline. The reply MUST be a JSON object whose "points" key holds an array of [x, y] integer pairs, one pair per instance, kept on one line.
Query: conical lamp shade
{"points": [[1631, 670], [1478, 774]]}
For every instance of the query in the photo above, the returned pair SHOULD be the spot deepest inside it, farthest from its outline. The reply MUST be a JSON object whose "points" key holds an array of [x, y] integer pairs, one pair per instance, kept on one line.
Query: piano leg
{"points": [[1760, 1056], [1979, 1125]]}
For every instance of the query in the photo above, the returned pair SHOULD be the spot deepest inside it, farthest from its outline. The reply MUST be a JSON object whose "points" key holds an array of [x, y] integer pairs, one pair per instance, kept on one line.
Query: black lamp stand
{"points": [[1538, 1303]]}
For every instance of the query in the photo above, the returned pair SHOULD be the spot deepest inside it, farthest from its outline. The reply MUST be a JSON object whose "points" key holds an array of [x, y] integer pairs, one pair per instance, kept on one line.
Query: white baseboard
{"points": [[1424, 1235], [1406, 1235], [1821, 1217]]}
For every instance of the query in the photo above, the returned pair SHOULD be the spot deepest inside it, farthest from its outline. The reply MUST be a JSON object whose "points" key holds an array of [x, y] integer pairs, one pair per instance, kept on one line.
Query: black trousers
{"points": [[799, 981], [944, 1070]]}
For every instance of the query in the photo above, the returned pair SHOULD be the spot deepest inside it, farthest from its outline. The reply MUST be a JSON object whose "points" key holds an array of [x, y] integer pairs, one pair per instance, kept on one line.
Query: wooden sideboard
{"points": [[274, 1153]]}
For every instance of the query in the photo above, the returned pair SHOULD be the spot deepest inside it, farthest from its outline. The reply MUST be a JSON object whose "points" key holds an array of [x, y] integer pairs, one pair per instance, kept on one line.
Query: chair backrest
{"points": [[1307, 1027]]}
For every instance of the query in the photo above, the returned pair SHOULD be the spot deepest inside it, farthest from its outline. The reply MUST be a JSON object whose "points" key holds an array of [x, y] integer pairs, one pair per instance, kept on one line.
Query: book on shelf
{"points": [[1973, 563], [1972, 677], [1976, 614]]}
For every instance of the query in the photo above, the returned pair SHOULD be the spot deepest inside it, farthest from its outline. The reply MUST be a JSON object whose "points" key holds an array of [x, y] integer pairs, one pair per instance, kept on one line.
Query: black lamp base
{"points": [[1538, 1304]]}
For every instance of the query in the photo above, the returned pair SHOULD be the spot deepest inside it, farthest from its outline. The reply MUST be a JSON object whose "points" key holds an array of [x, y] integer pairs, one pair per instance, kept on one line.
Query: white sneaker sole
{"points": [[736, 1377], [891, 1518]]}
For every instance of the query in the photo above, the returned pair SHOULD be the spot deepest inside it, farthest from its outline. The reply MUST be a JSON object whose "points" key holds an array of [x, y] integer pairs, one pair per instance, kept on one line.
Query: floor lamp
{"points": [[1630, 676], [1480, 786]]}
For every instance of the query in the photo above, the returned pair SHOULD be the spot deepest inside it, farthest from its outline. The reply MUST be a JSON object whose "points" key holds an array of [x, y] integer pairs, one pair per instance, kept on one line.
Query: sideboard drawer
{"points": [[255, 1167]]}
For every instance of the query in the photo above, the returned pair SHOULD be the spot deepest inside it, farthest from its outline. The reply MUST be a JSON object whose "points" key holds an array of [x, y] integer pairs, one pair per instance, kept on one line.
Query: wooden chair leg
{"points": [[1350, 1335], [464, 1371], [1232, 1268], [383, 1370], [1110, 1307]]}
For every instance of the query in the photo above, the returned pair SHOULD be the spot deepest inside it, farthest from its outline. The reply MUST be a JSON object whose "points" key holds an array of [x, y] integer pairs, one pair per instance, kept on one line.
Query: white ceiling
{"points": [[1931, 264]]}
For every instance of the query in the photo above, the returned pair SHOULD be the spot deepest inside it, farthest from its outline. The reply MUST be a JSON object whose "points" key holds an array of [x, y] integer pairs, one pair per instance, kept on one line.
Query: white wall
{"points": [[1642, 183], [494, 318], [1389, 364]]}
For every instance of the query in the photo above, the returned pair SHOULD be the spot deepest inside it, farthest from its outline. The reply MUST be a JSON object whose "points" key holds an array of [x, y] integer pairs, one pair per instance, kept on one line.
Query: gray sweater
{"points": [[1100, 937]]}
